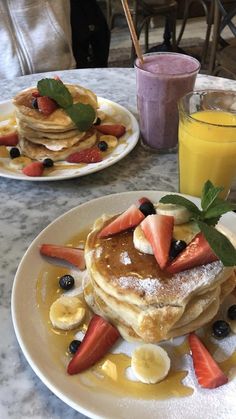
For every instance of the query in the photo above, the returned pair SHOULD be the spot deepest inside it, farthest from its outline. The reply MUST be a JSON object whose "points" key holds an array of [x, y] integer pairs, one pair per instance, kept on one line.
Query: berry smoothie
{"points": [[161, 81]]}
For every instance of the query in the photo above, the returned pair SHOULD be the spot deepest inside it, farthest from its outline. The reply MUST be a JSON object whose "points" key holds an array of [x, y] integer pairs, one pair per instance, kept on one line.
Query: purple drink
{"points": [[161, 81]]}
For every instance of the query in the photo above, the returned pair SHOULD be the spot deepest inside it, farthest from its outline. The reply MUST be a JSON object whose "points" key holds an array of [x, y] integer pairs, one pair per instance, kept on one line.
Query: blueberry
{"points": [[176, 247], [102, 145], [220, 329], [48, 162], [98, 121], [232, 312], [66, 282], [73, 346], [14, 152], [147, 208], [35, 103]]}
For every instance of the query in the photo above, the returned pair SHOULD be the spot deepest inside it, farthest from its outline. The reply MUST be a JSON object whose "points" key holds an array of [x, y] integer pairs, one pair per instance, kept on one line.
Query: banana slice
{"points": [[181, 214], [66, 312], [140, 241], [111, 140], [150, 363], [19, 162]]}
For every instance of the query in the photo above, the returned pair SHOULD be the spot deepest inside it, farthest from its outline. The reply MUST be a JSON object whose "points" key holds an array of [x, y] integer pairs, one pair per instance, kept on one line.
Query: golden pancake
{"points": [[57, 120], [134, 292], [27, 132], [40, 152]]}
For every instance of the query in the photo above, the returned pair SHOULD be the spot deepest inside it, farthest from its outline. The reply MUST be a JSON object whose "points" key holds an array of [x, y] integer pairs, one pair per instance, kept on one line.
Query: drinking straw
{"points": [[132, 30]]}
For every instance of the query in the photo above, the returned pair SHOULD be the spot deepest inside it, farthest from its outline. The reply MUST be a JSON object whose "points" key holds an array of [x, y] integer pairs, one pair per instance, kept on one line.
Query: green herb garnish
{"points": [[82, 115], [213, 208]]}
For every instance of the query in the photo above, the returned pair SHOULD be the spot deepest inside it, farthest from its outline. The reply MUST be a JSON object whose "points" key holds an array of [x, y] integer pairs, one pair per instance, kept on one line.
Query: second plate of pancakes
{"points": [[119, 115]]}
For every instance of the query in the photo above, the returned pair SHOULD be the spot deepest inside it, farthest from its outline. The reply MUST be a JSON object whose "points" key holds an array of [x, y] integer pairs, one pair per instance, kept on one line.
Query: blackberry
{"points": [[35, 103], [232, 312], [147, 208], [102, 145], [220, 329], [73, 346], [66, 282], [48, 162], [176, 247], [14, 152]]}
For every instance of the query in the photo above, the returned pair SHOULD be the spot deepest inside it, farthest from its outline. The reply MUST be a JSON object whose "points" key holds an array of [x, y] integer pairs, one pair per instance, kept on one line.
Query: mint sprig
{"points": [[213, 207], [82, 115]]}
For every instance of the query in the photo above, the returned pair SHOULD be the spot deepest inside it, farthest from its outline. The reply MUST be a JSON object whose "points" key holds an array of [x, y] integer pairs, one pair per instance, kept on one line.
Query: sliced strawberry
{"points": [[34, 169], [197, 253], [46, 105], [128, 219], [36, 94], [99, 338], [89, 155], [208, 373], [57, 78], [72, 255], [115, 129], [10, 139], [158, 230]]}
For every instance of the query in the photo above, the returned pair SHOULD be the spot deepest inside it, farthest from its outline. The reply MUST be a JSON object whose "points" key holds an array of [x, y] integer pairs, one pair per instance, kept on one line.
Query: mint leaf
{"points": [[82, 115], [219, 243], [56, 90], [211, 221], [209, 195], [220, 209], [180, 200]]}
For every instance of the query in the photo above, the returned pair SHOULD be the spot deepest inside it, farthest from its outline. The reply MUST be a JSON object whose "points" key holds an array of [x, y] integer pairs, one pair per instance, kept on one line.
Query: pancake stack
{"points": [[52, 136], [128, 288]]}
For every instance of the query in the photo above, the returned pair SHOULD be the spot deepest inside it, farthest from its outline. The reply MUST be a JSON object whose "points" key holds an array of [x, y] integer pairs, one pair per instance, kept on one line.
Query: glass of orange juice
{"points": [[207, 140]]}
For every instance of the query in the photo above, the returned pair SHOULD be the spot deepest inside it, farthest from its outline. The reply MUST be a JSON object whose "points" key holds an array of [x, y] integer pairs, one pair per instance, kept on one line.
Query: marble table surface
{"points": [[28, 207]]}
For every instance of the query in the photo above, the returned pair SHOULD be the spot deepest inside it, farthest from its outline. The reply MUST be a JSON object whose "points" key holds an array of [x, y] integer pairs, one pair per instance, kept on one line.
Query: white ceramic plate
{"points": [[119, 114], [32, 336]]}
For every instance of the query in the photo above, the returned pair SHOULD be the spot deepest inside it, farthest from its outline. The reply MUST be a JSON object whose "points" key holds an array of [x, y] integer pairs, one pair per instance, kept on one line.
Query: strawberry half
{"points": [[197, 253], [10, 139], [115, 129], [72, 255], [99, 338], [89, 155], [46, 105], [208, 373], [34, 169], [128, 219], [158, 230]]}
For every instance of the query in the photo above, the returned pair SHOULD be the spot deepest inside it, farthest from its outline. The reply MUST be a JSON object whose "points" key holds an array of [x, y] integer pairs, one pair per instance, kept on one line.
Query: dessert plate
{"points": [[119, 115], [33, 338]]}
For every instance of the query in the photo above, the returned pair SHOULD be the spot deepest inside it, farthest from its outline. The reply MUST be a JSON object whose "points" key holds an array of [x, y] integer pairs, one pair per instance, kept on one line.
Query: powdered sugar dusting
{"points": [[180, 285]]}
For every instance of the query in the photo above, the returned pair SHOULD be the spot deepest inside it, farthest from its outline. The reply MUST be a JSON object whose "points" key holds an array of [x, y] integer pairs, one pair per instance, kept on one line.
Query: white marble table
{"points": [[28, 207]]}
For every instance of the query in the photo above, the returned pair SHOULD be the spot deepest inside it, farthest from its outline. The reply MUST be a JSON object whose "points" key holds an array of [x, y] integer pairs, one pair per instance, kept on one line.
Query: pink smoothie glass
{"points": [[161, 81]]}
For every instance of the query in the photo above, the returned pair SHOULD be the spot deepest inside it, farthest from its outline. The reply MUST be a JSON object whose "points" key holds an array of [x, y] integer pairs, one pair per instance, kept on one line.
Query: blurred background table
{"points": [[28, 207]]}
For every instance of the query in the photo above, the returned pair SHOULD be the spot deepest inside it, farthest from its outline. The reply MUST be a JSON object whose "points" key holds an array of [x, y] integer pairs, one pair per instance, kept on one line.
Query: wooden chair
{"points": [[208, 8], [223, 53], [143, 11]]}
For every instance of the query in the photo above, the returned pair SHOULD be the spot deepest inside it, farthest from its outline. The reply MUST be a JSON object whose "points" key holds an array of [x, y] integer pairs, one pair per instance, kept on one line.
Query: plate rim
{"points": [[135, 134], [15, 317]]}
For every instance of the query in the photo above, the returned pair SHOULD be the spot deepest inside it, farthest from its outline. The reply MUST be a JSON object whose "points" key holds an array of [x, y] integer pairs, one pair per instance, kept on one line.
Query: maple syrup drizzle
{"points": [[109, 374]]}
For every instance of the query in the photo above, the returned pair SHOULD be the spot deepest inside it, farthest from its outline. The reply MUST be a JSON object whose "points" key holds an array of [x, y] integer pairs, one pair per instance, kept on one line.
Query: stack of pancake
{"points": [[52, 136], [129, 289]]}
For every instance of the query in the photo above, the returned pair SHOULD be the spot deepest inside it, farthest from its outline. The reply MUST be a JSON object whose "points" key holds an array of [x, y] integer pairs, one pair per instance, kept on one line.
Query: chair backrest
{"points": [[223, 17]]}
